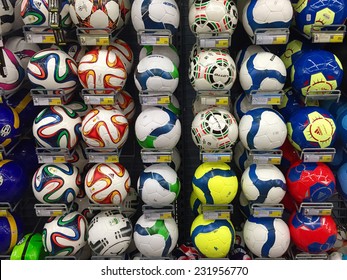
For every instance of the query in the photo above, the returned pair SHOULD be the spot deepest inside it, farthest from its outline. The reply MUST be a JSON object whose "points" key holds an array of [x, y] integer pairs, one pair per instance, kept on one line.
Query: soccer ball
{"points": [[56, 183], [259, 14], [215, 183], [263, 183], [105, 127], [11, 231], [156, 73], [342, 181], [79, 107], [65, 235], [155, 238], [310, 182], [109, 233], [158, 185], [75, 50], [102, 69], [214, 128], [195, 203], [262, 129], [125, 104], [6, 18], [246, 52], [213, 17], [57, 127], [266, 237], [240, 156], [314, 14], [168, 51], [102, 15], [124, 10], [291, 101], [35, 12], [311, 127], [11, 82], [262, 71], [107, 183], [212, 70], [312, 234], [23, 50], [212, 238], [10, 125], [157, 128], [14, 181], [155, 15], [243, 104], [130, 204], [53, 69], [316, 70]]}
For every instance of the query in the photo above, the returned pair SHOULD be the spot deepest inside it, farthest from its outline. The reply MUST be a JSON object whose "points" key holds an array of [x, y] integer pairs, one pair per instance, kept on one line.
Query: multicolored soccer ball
{"points": [[7, 18], [155, 238], [158, 185], [259, 14], [168, 51], [212, 71], [79, 107], [215, 183], [157, 128], [57, 127], [314, 14], [316, 71], [214, 128], [107, 183], [262, 72], [53, 69], [10, 125], [105, 127], [11, 82], [155, 15], [109, 233], [65, 235], [102, 70], [13, 181], [36, 12], [312, 234], [262, 129], [102, 16], [311, 127], [56, 183], [266, 237], [212, 238], [125, 104], [310, 182], [213, 17], [156, 73], [263, 183], [11, 231]]}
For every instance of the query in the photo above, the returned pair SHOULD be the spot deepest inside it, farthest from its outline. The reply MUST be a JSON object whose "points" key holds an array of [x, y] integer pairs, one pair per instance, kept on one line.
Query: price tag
{"points": [[157, 215], [95, 158], [222, 43], [216, 215], [336, 38], [111, 159], [164, 100], [103, 41], [215, 157], [3, 212], [317, 158], [267, 159], [279, 40], [317, 212], [321, 37], [54, 101], [163, 41], [59, 159], [57, 213], [48, 39], [222, 101], [268, 213], [164, 158], [48, 212]]}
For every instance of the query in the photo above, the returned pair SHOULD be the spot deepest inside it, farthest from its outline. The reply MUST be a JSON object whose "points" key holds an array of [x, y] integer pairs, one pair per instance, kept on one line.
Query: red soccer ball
{"points": [[310, 182]]}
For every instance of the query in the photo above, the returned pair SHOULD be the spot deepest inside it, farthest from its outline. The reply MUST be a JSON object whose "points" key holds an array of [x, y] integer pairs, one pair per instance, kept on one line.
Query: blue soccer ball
{"points": [[10, 125], [290, 103], [263, 71], [312, 15], [266, 237], [155, 15], [246, 52], [262, 129], [316, 71], [311, 127], [266, 14], [11, 231], [341, 126], [342, 181], [263, 183]]}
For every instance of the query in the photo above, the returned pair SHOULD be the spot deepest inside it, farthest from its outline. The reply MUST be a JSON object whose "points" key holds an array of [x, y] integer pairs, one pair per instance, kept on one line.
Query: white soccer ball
{"points": [[262, 129], [155, 238], [212, 71], [107, 183], [266, 14], [266, 237], [158, 185], [213, 17], [263, 183], [56, 183], [168, 51], [155, 15], [156, 73], [157, 128], [109, 233], [214, 128], [262, 71], [245, 53]]}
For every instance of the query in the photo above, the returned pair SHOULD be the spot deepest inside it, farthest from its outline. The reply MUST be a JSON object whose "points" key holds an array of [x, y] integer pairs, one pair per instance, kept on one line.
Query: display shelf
{"points": [[208, 40], [155, 98], [54, 155], [104, 207], [216, 155], [49, 210], [49, 97], [261, 210], [44, 35], [98, 96], [316, 208], [307, 256], [154, 37], [265, 156], [334, 33], [271, 36], [323, 95], [162, 213], [102, 155], [217, 211], [209, 100], [266, 98], [96, 36], [156, 156], [318, 155]]}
